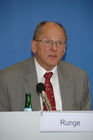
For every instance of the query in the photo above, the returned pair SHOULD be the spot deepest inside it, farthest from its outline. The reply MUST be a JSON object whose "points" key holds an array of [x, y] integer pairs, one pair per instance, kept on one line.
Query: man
{"points": [[70, 84]]}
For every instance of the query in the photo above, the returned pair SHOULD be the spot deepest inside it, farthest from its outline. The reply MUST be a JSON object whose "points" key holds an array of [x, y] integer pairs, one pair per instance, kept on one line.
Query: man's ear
{"points": [[64, 49], [34, 46]]}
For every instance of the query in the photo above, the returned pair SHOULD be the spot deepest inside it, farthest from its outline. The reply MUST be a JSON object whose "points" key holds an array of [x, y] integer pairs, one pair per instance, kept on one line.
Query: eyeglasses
{"points": [[50, 43]]}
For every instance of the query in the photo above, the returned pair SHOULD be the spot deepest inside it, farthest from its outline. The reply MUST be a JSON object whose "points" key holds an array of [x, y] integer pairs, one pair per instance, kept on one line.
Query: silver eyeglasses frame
{"points": [[50, 43]]}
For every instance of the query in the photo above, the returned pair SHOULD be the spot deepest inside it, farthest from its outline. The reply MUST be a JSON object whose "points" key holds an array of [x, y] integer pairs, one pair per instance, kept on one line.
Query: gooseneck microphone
{"points": [[40, 89]]}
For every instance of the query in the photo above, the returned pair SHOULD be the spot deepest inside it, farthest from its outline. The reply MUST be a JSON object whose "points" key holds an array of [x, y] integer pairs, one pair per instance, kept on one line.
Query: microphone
{"points": [[40, 88]]}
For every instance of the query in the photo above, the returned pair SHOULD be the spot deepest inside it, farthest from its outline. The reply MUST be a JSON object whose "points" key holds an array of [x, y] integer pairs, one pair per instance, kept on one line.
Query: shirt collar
{"points": [[41, 71]]}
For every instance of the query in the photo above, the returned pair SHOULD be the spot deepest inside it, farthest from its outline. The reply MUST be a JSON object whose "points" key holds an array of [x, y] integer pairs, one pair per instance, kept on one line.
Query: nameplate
{"points": [[66, 121]]}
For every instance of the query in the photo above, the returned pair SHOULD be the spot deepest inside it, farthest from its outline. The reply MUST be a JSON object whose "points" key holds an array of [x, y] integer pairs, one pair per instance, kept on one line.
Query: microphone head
{"points": [[40, 87]]}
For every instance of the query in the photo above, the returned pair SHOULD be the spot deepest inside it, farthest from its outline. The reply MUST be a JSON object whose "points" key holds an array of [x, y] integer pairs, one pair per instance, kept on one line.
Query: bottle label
{"points": [[28, 109]]}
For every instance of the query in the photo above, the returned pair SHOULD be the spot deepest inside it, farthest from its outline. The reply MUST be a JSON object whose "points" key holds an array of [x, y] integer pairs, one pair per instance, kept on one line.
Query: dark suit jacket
{"points": [[21, 78]]}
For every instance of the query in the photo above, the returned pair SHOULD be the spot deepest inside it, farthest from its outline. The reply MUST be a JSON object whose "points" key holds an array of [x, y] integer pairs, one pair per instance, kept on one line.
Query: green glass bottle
{"points": [[28, 106]]}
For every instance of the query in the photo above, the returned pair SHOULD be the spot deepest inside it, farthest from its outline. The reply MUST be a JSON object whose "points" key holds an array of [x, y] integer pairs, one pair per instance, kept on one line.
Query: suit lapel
{"points": [[30, 81], [66, 87]]}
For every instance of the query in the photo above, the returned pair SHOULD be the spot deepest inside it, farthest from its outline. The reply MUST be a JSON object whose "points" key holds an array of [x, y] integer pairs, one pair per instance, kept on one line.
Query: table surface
{"points": [[26, 125]]}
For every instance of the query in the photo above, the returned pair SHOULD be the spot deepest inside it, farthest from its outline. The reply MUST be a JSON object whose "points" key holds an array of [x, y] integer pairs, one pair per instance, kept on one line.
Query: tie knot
{"points": [[48, 75]]}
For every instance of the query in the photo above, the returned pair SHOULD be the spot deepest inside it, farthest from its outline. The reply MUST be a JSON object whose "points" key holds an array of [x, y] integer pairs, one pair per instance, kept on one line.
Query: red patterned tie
{"points": [[49, 90]]}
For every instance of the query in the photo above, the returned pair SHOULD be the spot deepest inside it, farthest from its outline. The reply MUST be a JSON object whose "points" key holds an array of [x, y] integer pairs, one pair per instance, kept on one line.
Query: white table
{"points": [[26, 126]]}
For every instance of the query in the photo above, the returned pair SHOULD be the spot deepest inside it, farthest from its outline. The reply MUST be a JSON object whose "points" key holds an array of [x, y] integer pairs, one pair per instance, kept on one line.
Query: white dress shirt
{"points": [[55, 83]]}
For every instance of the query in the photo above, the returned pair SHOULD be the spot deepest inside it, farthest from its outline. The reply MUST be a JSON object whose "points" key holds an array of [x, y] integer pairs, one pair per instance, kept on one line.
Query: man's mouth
{"points": [[52, 56]]}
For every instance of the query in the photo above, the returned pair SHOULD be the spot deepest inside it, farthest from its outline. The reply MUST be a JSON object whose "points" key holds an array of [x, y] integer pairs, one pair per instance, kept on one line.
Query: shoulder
{"points": [[20, 67], [71, 69]]}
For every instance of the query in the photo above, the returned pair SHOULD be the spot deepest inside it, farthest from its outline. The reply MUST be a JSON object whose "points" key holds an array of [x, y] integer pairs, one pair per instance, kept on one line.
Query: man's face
{"points": [[48, 57]]}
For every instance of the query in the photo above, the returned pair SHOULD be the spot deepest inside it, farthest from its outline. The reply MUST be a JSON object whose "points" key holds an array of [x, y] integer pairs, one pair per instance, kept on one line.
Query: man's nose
{"points": [[54, 46]]}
